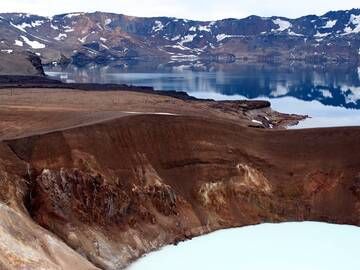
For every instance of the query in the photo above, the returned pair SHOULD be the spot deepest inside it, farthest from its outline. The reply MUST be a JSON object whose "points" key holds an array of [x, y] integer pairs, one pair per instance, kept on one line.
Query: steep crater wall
{"points": [[116, 190]]}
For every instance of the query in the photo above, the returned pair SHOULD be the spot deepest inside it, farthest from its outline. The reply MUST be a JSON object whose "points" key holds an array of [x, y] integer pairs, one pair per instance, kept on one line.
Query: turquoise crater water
{"points": [[287, 246]]}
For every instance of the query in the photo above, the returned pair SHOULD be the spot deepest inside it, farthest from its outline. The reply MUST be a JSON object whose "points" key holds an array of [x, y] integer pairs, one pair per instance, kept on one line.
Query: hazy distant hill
{"points": [[102, 37]]}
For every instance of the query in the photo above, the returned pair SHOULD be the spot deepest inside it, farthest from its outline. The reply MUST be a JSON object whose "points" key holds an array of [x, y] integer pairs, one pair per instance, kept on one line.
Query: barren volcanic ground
{"points": [[96, 179], [32, 111]]}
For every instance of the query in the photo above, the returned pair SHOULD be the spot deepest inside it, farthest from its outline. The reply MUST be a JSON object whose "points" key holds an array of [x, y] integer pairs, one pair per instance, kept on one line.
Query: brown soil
{"points": [[32, 111], [108, 186]]}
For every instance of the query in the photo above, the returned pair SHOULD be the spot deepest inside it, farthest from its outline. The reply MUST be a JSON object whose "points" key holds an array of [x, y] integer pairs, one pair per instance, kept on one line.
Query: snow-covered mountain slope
{"points": [[103, 37]]}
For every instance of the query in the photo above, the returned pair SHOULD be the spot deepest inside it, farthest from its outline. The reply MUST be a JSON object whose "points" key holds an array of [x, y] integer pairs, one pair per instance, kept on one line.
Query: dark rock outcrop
{"points": [[24, 63]]}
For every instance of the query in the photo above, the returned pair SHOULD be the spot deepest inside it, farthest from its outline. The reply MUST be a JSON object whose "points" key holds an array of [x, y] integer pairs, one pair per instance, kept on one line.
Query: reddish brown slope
{"points": [[31, 111], [116, 190], [23, 243]]}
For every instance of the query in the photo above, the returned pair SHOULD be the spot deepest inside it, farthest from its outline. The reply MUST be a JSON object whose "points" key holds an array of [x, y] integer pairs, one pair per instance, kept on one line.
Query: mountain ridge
{"points": [[99, 37], [187, 19]]}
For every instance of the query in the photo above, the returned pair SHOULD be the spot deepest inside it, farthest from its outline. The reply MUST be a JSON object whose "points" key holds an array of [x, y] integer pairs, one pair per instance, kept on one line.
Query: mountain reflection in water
{"points": [[333, 85]]}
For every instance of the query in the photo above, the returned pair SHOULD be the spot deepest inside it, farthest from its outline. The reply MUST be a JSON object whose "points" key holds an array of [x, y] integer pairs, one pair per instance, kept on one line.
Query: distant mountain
{"points": [[103, 37]]}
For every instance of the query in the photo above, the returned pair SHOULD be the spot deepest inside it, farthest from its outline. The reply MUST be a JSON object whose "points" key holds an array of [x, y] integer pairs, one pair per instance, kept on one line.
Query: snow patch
{"points": [[33, 44], [28, 25], [158, 26], [330, 24], [71, 15], [192, 29], [187, 39], [54, 27], [221, 37], [205, 28], [9, 51], [37, 23], [83, 39], [19, 43], [282, 24], [320, 35], [22, 29], [256, 122], [354, 21], [352, 93], [107, 22], [104, 46], [61, 36], [176, 38], [291, 33], [178, 46], [280, 90], [24, 25], [326, 93]]}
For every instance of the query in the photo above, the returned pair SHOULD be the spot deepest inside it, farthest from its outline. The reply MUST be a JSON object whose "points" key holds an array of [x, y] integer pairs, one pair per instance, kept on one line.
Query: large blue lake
{"points": [[330, 95]]}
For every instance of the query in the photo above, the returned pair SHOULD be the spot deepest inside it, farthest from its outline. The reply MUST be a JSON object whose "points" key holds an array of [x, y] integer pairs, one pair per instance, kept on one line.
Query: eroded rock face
{"points": [[20, 63], [24, 244], [116, 190]]}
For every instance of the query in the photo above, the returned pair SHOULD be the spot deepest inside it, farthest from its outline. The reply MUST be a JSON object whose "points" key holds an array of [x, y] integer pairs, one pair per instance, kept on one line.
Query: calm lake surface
{"points": [[329, 94]]}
